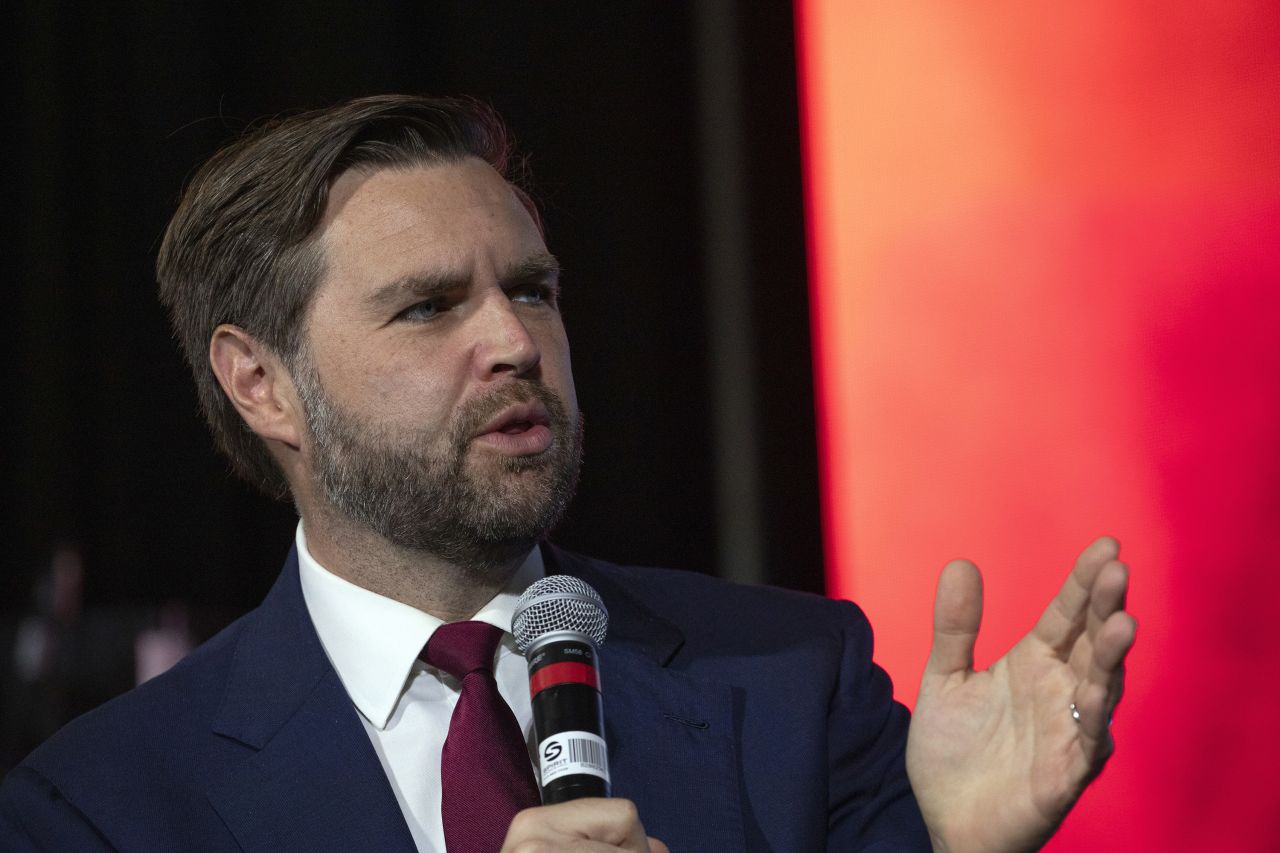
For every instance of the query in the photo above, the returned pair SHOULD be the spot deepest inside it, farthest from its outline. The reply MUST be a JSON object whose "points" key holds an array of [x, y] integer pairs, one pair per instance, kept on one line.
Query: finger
{"points": [[554, 843], [1096, 698], [1094, 724], [1106, 668], [1065, 617], [613, 823], [957, 614], [656, 846], [1107, 596]]}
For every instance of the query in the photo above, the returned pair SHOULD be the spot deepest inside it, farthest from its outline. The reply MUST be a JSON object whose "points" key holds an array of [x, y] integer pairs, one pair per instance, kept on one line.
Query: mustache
{"points": [[475, 413]]}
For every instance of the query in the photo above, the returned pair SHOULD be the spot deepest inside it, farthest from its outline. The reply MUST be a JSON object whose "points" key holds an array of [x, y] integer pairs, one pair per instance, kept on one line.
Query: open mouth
{"points": [[521, 429], [516, 427], [518, 418]]}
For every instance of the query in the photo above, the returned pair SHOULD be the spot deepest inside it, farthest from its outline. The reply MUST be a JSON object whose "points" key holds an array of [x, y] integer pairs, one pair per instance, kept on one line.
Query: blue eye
{"points": [[422, 311], [534, 294]]}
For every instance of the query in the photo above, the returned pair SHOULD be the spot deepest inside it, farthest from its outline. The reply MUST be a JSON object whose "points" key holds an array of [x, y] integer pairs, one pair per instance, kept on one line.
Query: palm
{"points": [[995, 758]]}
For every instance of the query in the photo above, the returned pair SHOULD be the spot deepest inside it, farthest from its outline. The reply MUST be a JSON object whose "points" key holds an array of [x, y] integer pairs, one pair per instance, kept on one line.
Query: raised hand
{"points": [[997, 758]]}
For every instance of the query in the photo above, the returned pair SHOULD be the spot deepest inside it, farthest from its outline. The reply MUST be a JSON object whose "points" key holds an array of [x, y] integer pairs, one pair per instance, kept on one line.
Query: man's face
{"points": [[435, 378]]}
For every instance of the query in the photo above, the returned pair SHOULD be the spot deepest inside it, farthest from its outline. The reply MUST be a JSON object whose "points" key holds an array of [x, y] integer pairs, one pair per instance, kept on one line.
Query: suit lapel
{"points": [[668, 732], [314, 782]]}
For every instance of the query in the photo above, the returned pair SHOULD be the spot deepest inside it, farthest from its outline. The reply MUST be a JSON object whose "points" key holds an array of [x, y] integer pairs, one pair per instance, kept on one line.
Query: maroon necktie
{"points": [[485, 775]]}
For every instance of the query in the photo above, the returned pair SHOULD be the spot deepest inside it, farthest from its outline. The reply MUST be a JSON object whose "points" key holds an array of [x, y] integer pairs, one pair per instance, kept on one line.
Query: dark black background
{"points": [[112, 106]]}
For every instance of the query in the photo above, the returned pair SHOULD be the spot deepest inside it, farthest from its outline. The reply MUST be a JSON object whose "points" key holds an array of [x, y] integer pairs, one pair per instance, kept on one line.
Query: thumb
{"points": [[957, 613]]}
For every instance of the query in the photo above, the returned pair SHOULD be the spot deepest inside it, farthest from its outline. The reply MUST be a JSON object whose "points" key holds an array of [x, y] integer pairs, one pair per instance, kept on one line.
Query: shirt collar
{"points": [[373, 641]]}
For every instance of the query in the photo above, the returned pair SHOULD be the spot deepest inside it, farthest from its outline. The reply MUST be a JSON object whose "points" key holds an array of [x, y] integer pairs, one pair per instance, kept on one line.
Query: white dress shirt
{"points": [[373, 643]]}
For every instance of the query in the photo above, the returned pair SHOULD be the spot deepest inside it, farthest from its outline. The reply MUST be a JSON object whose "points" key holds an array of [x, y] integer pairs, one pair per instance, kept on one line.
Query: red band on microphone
{"points": [[569, 672]]}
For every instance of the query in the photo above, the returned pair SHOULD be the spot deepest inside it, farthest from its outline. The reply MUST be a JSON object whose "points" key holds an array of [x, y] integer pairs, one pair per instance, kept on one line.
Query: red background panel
{"points": [[1045, 268]]}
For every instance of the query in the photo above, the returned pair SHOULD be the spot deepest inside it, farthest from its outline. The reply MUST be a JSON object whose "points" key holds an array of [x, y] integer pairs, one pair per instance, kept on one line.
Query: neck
{"points": [[446, 590]]}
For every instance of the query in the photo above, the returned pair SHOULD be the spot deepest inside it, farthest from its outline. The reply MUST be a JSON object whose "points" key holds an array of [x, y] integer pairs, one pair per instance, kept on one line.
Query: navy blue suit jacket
{"points": [[737, 718]]}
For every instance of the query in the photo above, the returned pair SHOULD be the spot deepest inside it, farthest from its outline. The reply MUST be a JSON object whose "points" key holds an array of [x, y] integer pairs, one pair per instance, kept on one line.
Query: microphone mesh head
{"points": [[559, 603]]}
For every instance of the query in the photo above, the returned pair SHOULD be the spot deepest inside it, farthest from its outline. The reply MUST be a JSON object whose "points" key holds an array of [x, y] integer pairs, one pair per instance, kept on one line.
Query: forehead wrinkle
{"points": [[398, 225], [428, 283], [346, 185]]}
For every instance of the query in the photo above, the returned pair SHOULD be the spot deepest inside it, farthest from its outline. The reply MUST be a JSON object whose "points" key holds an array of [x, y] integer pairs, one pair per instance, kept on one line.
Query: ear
{"points": [[257, 384]]}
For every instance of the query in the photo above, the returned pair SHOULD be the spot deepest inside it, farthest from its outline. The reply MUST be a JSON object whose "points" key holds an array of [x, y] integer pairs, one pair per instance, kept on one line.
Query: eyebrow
{"points": [[539, 266], [427, 285]]}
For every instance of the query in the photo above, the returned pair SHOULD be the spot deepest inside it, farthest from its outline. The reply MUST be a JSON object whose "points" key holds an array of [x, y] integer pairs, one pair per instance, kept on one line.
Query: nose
{"points": [[504, 343]]}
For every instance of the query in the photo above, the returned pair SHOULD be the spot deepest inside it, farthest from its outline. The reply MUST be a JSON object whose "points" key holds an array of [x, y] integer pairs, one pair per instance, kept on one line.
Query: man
{"points": [[372, 318]]}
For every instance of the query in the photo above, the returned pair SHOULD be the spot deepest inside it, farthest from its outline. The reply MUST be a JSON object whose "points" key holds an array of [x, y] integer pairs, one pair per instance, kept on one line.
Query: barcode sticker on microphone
{"points": [[567, 753]]}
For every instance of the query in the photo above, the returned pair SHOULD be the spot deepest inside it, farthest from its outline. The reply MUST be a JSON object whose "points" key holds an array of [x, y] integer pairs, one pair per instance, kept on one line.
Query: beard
{"points": [[420, 491]]}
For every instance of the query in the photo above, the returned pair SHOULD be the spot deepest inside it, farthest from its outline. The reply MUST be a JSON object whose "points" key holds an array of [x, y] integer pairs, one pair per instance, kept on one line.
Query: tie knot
{"points": [[459, 648]]}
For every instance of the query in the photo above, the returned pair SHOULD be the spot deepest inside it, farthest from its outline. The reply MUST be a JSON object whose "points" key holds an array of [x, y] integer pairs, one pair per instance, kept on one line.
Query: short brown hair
{"points": [[240, 249]]}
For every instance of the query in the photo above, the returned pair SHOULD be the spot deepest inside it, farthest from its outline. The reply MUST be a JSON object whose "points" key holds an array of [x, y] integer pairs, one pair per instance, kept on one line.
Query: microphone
{"points": [[558, 623]]}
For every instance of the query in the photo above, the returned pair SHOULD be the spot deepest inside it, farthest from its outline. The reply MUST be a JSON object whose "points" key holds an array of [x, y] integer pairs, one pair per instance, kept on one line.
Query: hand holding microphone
{"points": [[559, 624]]}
